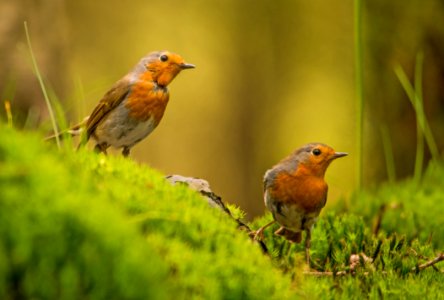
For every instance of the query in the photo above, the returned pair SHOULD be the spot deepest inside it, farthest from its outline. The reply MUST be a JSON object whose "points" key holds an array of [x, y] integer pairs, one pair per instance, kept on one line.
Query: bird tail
{"points": [[292, 236], [75, 130]]}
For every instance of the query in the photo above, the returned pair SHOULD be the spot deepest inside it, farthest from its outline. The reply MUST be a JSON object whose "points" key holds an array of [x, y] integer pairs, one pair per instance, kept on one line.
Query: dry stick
{"points": [[430, 263], [203, 187], [218, 201], [378, 222], [381, 211], [320, 274], [339, 273]]}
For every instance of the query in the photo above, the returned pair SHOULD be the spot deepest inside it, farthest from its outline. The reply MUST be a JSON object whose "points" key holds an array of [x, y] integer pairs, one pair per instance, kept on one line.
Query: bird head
{"points": [[315, 158], [164, 66]]}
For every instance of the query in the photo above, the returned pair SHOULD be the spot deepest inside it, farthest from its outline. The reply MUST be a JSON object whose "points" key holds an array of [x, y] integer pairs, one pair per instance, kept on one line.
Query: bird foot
{"points": [[257, 235], [293, 237], [101, 148], [126, 151]]}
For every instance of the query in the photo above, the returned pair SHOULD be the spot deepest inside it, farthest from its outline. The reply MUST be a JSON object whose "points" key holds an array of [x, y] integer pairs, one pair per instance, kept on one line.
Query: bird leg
{"points": [[259, 234], [126, 151], [292, 236], [101, 148], [307, 246]]}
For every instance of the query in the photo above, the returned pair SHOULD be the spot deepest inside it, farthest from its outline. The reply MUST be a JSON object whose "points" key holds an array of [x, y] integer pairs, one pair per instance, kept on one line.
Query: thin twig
{"points": [[381, 211], [429, 263], [326, 273], [338, 273], [378, 221], [203, 187]]}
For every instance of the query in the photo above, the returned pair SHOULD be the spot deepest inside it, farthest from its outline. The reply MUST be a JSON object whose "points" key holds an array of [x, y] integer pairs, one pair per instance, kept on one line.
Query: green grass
{"points": [[411, 209], [81, 225], [359, 89], [42, 86], [419, 114], [388, 153], [414, 94]]}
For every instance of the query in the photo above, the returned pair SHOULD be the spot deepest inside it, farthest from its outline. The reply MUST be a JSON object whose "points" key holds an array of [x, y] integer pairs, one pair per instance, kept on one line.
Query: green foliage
{"points": [[80, 225], [359, 90], [410, 233], [60, 237], [42, 85], [386, 264], [411, 209], [390, 273], [414, 94], [236, 212]]}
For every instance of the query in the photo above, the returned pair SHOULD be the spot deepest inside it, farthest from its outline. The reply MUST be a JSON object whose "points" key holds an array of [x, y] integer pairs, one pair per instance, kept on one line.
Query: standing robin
{"points": [[135, 104], [295, 191]]}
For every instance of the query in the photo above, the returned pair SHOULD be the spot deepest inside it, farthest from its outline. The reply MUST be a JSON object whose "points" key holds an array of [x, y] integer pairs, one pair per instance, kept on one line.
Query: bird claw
{"points": [[307, 260], [257, 235]]}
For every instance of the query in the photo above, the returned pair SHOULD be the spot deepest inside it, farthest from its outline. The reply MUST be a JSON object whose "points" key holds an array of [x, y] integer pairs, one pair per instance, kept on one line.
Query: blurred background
{"points": [[270, 77]]}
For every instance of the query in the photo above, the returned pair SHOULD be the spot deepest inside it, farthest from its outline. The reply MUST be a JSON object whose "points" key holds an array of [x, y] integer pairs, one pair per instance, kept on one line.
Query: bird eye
{"points": [[164, 57], [316, 151]]}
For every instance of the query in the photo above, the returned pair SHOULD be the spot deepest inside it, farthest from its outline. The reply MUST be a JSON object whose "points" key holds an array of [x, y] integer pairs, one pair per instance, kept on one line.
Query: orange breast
{"points": [[307, 192], [146, 100]]}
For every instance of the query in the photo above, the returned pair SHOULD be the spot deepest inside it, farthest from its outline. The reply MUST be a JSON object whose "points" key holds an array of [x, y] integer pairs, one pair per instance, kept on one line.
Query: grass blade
{"points": [[42, 86], [388, 154], [419, 110], [419, 159], [359, 91], [8, 113]]}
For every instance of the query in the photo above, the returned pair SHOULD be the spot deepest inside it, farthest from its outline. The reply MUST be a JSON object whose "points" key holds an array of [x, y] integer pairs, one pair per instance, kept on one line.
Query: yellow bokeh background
{"points": [[270, 77]]}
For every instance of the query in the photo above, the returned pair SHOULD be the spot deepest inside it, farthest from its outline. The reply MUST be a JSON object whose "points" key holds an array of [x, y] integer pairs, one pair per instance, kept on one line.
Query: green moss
{"points": [[414, 210], [336, 236], [60, 237], [80, 225]]}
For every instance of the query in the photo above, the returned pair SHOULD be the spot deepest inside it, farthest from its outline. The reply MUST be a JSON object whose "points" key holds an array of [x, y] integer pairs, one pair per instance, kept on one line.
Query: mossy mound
{"points": [[80, 225], [409, 208]]}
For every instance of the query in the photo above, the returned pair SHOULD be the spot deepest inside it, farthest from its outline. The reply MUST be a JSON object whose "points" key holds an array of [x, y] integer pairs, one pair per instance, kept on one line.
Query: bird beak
{"points": [[339, 154], [184, 66]]}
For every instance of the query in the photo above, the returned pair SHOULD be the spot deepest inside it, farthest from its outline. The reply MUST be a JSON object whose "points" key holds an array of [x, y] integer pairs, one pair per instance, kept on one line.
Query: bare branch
{"points": [[429, 263], [378, 221], [327, 273], [203, 187]]}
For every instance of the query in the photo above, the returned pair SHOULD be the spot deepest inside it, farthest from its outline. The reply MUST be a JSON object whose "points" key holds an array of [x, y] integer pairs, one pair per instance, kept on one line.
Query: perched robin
{"points": [[134, 105], [295, 191]]}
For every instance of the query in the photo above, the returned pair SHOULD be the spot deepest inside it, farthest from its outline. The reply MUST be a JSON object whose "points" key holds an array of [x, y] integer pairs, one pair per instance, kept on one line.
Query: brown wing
{"points": [[110, 100], [288, 165]]}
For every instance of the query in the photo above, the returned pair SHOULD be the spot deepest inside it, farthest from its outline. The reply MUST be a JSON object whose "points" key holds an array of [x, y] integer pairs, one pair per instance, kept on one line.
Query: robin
{"points": [[295, 191], [134, 105]]}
